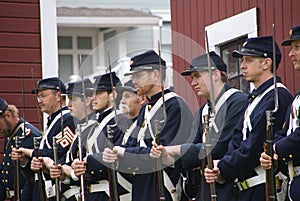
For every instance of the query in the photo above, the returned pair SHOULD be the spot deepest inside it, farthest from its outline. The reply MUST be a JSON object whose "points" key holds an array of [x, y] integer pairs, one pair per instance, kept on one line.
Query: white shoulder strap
{"points": [[227, 94], [45, 136], [149, 115], [128, 132], [251, 107], [92, 140]]}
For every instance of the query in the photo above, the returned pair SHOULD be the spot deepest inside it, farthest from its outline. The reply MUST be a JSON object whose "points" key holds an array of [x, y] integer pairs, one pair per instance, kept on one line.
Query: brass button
{"points": [[100, 170], [92, 172]]}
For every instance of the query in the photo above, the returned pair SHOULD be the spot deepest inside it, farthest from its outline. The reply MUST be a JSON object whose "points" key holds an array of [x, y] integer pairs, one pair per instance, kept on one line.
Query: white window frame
{"points": [[232, 28]]}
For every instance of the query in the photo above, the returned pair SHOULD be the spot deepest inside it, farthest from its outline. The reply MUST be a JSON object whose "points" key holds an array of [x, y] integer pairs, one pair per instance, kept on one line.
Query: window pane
{"points": [[84, 42], [86, 64], [65, 66], [234, 73], [65, 42]]}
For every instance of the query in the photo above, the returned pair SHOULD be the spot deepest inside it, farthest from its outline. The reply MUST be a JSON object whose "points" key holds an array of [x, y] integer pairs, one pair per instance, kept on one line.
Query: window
{"points": [[73, 55], [234, 73]]}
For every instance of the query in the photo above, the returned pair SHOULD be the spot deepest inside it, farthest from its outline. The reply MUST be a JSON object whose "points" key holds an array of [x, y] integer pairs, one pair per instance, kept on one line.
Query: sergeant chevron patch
{"points": [[67, 139]]}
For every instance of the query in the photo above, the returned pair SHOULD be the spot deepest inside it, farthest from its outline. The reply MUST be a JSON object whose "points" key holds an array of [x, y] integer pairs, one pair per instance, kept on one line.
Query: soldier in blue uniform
{"points": [[286, 142], [80, 109], [241, 162], [230, 104], [11, 125], [95, 172], [51, 101], [175, 119]]}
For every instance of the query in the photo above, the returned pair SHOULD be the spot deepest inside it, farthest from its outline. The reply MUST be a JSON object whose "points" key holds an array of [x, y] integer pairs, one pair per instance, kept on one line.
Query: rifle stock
{"points": [[36, 144], [158, 164], [268, 148], [57, 186], [81, 195], [208, 149], [17, 173], [112, 176]]}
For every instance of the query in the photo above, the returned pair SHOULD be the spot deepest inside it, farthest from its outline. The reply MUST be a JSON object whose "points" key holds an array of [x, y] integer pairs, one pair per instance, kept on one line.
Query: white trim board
{"points": [[232, 28]]}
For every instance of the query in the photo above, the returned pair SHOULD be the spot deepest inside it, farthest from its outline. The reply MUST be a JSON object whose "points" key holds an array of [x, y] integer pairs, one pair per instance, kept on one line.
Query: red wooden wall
{"points": [[20, 53], [189, 17]]}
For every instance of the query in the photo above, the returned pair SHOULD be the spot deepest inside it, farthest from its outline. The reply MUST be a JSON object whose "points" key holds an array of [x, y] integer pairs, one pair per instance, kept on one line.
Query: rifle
{"points": [[36, 145], [57, 186], [17, 191], [81, 194], [112, 175], [17, 172], [158, 167], [208, 145], [268, 145]]}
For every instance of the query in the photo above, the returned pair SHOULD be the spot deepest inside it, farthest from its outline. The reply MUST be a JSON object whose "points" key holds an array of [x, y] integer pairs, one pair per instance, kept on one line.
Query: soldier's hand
{"points": [[47, 162], [109, 156], [211, 175], [16, 154], [79, 167], [156, 150], [56, 171], [36, 164], [266, 160]]}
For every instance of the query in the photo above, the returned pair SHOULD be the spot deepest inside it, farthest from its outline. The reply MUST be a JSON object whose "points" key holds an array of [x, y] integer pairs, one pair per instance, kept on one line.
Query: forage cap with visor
{"points": [[50, 83], [200, 63], [128, 86], [102, 82], [75, 88], [148, 60], [3, 106], [259, 47], [294, 35]]}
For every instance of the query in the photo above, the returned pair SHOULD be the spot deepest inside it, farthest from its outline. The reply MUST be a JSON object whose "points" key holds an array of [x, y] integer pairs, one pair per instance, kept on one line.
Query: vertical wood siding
{"points": [[20, 51], [189, 17]]}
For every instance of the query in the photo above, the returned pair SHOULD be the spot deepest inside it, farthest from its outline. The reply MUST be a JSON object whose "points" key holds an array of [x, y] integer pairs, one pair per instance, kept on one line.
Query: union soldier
{"points": [[230, 104], [131, 104], [12, 126], [241, 162], [286, 142], [95, 172], [49, 96], [76, 104], [174, 114]]}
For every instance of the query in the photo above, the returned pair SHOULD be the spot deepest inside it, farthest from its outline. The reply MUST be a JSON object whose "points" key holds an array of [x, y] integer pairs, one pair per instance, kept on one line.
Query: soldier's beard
{"points": [[8, 130]]}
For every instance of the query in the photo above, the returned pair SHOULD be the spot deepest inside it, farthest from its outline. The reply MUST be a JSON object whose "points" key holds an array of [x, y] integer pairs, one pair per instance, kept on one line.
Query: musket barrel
{"points": [[208, 149], [112, 176]]}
